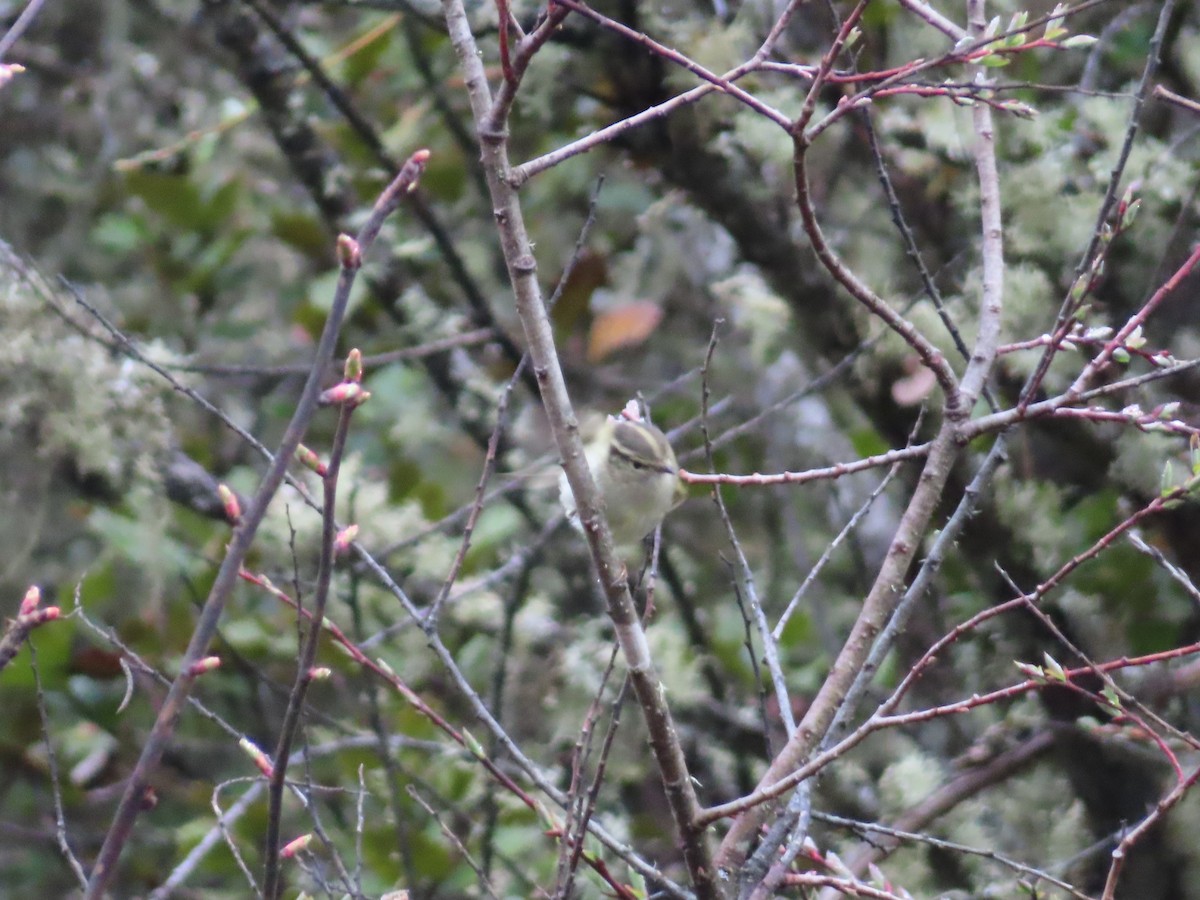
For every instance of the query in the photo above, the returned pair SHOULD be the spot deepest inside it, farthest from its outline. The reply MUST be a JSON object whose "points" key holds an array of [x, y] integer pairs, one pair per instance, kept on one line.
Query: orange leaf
{"points": [[623, 326], [916, 384]]}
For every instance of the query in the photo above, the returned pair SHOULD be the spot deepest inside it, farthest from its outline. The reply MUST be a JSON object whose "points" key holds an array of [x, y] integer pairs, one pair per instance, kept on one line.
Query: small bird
{"points": [[636, 472]]}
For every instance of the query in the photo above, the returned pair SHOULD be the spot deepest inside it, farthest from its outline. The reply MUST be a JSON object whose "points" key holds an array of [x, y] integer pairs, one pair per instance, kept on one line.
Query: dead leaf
{"points": [[915, 386], [623, 326]]}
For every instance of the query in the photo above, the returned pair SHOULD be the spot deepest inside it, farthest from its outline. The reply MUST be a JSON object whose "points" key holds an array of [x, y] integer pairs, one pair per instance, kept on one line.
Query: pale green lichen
{"points": [[77, 419]]}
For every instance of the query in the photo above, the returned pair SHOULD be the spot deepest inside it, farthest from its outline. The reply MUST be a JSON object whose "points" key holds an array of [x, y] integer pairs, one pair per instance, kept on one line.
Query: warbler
{"points": [[636, 473]]}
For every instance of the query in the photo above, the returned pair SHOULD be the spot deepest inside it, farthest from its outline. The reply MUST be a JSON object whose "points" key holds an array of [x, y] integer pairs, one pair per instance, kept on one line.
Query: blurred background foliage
{"points": [[184, 171]]}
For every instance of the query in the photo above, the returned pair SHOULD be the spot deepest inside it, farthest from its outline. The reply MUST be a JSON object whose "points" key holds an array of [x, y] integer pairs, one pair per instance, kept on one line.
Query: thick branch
{"points": [[490, 118]]}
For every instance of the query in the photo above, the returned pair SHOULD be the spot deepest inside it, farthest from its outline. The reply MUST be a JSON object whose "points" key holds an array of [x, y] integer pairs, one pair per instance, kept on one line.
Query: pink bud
{"points": [[291, 848], [310, 460], [233, 509], [203, 666], [42, 616], [420, 157], [257, 756], [347, 393], [344, 539], [8, 70], [30, 602], [348, 252]]}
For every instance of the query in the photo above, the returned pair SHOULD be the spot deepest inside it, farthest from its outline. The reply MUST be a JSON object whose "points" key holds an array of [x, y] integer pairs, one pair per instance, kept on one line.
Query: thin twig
{"points": [[1071, 303], [243, 537], [745, 573], [308, 650], [18, 28], [60, 819], [491, 120]]}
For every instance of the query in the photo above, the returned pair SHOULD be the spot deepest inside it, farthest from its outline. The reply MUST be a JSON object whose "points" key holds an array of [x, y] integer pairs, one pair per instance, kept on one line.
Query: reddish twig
{"points": [[1135, 322], [29, 617], [1088, 263], [506, 66], [243, 537], [723, 84], [835, 49], [465, 740], [931, 356], [348, 401], [1162, 93], [382, 671], [1139, 831]]}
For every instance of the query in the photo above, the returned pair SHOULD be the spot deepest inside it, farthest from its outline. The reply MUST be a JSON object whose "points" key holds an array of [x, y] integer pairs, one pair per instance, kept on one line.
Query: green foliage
{"points": [[148, 170]]}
